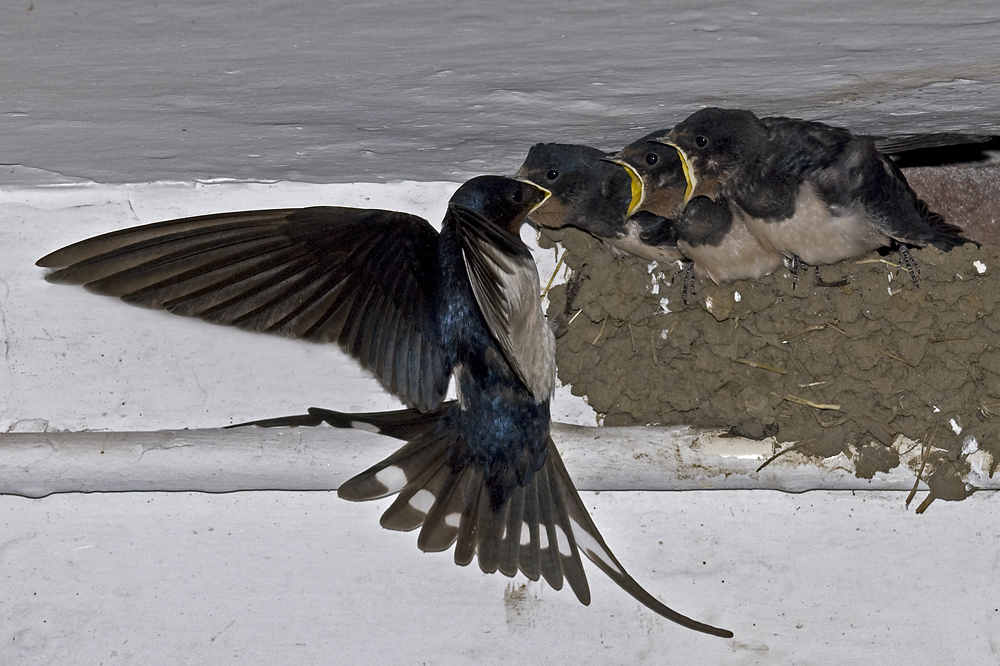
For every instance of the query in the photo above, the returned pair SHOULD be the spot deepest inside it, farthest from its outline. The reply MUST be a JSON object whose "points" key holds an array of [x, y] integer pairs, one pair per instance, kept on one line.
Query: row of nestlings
{"points": [[740, 196]]}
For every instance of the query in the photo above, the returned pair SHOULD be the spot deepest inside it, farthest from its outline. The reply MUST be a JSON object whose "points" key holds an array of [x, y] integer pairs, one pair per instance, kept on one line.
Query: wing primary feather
{"points": [[105, 243], [402, 365], [330, 325], [296, 312], [388, 370], [370, 330], [252, 290], [149, 254], [352, 336], [415, 362], [407, 424], [296, 279], [126, 272]]}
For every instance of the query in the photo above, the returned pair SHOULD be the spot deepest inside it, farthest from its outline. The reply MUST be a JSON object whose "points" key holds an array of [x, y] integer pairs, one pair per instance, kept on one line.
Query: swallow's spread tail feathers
{"points": [[541, 528], [903, 216]]}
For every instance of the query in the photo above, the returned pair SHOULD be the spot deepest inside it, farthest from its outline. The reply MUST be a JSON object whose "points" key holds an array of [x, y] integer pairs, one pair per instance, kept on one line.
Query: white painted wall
{"points": [[383, 90], [99, 98]]}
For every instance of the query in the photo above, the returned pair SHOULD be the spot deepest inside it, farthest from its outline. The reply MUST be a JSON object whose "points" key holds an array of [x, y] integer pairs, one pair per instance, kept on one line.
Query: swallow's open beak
{"points": [[689, 175], [545, 194], [638, 189]]}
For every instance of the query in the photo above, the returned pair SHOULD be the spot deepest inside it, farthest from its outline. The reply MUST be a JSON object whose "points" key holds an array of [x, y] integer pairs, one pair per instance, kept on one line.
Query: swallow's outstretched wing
{"points": [[366, 279]]}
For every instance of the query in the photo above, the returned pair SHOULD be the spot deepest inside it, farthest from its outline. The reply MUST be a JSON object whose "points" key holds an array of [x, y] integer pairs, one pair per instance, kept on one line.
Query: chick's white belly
{"points": [[817, 235]]}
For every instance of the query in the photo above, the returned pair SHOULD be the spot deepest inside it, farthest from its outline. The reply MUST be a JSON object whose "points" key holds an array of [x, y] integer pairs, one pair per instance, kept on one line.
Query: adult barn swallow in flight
{"points": [[815, 193], [591, 193], [415, 307]]}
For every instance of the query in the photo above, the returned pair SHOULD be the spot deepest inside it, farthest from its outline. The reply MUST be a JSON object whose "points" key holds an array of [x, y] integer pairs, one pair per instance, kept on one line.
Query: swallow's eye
{"points": [[701, 141], [518, 195], [552, 174], [651, 159]]}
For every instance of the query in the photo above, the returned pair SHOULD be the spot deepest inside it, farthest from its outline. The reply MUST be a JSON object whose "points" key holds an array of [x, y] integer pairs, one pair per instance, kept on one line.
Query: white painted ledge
{"points": [[218, 460]]}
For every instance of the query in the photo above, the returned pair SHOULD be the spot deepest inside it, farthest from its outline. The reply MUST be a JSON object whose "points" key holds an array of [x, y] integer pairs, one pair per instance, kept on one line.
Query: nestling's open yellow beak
{"points": [[638, 189], [689, 176]]}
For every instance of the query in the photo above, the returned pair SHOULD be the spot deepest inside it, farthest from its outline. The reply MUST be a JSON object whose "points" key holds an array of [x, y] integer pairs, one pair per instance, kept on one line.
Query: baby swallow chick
{"points": [[708, 231], [593, 194], [814, 193]]}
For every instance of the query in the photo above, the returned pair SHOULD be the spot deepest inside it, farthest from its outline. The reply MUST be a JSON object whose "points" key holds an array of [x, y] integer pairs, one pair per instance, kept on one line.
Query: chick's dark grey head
{"points": [[719, 140], [588, 191], [558, 166], [657, 163]]}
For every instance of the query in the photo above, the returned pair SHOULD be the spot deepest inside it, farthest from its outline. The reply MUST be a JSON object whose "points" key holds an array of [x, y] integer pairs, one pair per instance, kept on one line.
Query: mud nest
{"points": [[833, 369]]}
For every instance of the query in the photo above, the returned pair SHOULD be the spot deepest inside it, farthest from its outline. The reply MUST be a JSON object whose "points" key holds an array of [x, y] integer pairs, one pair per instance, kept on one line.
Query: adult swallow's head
{"points": [[503, 202]]}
